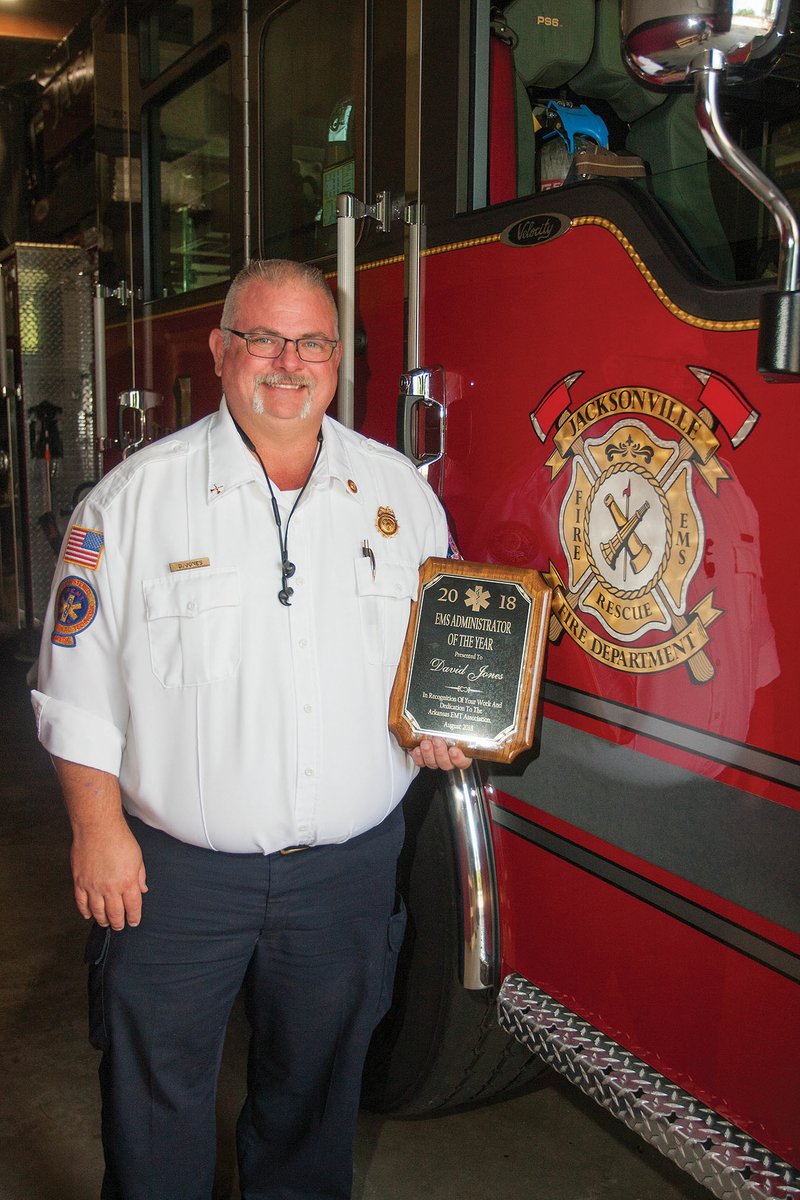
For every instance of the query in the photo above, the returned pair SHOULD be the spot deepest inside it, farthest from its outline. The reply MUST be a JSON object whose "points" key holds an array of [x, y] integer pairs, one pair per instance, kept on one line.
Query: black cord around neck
{"points": [[287, 567]]}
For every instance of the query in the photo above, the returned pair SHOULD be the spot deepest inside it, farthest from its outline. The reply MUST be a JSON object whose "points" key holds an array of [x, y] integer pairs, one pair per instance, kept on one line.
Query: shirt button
{"points": [[309, 771], [191, 605], [303, 643], [307, 708]]}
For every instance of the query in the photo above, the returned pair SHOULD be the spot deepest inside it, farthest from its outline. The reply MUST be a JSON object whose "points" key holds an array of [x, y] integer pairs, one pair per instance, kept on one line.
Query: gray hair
{"points": [[280, 272]]}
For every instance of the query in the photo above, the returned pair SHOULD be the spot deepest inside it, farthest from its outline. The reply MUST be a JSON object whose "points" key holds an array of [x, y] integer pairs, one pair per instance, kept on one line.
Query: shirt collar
{"points": [[335, 462], [230, 463]]}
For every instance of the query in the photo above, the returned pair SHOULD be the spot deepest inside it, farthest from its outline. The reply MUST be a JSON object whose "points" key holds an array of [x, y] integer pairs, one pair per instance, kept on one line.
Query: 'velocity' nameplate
{"points": [[471, 665]]}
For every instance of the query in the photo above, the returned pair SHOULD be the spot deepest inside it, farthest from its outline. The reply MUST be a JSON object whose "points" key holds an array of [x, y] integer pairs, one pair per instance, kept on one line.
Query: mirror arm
{"points": [[707, 70], [779, 327]]}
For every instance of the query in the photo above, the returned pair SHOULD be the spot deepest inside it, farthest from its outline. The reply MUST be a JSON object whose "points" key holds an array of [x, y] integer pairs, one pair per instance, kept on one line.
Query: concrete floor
{"points": [[552, 1144]]}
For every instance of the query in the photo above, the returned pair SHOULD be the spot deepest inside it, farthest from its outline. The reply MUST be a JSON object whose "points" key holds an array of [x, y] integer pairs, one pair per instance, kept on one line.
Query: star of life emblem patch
{"points": [[84, 547], [75, 609]]}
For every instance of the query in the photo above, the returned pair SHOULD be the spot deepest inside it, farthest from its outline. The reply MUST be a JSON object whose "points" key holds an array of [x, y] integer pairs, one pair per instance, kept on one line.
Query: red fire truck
{"points": [[563, 268]]}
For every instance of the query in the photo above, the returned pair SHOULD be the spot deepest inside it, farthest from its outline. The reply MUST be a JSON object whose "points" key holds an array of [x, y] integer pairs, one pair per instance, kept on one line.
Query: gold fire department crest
{"points": [[630, 525]]}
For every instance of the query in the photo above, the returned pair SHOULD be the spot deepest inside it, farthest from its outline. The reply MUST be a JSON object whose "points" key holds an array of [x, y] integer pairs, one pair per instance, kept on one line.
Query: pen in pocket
{"points": [[367, 552]]}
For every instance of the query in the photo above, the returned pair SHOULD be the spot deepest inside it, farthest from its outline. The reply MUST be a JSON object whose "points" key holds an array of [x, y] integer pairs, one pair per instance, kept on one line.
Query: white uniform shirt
{"points": [[232, 721]]}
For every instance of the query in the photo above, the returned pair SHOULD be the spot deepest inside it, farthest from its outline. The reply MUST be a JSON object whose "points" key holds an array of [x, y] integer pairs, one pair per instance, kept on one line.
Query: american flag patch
{"points": [[85, 547]]}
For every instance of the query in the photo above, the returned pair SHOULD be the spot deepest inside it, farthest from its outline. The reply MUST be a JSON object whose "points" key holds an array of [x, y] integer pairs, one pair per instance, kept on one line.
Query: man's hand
{"points": [[108, 875], [434, 752], [107, 868]]}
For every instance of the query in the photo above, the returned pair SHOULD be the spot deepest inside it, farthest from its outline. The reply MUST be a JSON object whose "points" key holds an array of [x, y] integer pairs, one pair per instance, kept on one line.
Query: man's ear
{"points": [[216, 343]]}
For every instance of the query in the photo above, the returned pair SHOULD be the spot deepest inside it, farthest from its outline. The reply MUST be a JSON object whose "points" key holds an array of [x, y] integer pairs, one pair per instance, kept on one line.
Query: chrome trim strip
{"points": [[469, 820], [725, 1159], [719, 749], [770, 955]]}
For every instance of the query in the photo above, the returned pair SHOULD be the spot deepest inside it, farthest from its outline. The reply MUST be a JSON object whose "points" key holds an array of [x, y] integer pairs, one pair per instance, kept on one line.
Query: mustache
{"points": [[276, 378]]}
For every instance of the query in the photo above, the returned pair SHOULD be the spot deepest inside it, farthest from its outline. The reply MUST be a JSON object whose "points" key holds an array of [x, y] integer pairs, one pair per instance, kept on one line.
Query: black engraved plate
{"points": [[472, 660]]}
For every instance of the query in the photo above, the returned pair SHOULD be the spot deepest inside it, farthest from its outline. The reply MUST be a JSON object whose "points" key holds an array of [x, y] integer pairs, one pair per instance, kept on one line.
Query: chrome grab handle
{"points": [[424, 386], [140, 401], [469, 821], [350, 209], [347, 214]]}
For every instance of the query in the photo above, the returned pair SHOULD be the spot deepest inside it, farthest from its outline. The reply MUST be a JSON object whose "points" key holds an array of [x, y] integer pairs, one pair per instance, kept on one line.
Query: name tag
{"points": [[189, 564]]}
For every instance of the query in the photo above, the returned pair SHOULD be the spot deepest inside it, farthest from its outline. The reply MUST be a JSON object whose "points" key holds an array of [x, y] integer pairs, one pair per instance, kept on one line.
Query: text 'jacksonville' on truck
{"points": [[565, 279]]}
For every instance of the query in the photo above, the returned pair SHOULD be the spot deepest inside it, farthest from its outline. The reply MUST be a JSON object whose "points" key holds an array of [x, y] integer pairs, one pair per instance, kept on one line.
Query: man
{"points": [[226, 620]]}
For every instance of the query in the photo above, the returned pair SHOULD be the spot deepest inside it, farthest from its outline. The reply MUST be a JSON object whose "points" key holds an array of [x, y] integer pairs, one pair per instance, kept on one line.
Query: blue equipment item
{"points": [[571, 122]]}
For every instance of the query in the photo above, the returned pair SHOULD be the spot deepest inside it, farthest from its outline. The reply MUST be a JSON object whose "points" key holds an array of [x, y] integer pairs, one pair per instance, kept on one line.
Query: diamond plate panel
{"points": [[51, 330], [719, 1155]]}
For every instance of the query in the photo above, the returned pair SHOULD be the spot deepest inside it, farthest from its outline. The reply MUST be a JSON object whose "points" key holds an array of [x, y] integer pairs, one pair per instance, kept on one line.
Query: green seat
{"points": [[552, 48], [671, 144], [605, 76]]}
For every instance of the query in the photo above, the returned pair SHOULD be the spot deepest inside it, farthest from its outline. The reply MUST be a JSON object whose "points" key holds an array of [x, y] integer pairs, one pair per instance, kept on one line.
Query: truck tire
{"points": [[440, 1047]]}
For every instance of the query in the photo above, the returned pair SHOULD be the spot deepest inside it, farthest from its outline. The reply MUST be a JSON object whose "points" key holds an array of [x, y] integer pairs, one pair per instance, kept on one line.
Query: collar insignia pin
{"points": [[386, 522], [216, 488]]}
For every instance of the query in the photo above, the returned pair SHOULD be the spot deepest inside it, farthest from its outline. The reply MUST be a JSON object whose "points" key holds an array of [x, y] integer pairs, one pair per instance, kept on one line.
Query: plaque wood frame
{"points": [[456, 649]]}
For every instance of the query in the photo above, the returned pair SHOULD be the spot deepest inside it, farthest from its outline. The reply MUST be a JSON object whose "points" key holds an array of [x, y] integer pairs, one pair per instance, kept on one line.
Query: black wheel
{"points": [[440, 1047]]}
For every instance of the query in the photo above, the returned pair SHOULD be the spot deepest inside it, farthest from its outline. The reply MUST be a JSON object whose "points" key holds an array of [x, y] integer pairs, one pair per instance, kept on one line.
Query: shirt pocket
{"points": [[194, 626], [385, 604]]}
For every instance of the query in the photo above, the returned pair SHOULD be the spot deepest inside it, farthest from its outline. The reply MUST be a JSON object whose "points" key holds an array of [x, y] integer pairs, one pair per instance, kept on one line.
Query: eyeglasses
{"points": [[272, 345]]}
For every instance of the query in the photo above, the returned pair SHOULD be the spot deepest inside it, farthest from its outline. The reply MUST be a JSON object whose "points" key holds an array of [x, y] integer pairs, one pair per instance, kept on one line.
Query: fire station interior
{"points": [[548, 1144]]}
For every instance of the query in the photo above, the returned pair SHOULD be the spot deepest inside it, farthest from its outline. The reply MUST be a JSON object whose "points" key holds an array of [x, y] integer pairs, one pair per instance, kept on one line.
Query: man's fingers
{"points": [[113, 910], [436, 754], [109, 876], [82, 903], [132, 899]]}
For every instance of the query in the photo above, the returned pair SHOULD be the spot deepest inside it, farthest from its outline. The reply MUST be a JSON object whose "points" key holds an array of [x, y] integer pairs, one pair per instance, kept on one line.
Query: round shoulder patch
{"points": [[75, 609]]}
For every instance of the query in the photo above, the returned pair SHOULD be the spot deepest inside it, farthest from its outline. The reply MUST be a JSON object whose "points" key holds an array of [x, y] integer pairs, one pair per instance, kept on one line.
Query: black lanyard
{"points": [[287, 567]]}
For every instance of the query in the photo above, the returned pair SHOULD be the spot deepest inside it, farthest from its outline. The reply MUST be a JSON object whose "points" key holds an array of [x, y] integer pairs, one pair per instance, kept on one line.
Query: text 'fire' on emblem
{"points": [[630, 526]]}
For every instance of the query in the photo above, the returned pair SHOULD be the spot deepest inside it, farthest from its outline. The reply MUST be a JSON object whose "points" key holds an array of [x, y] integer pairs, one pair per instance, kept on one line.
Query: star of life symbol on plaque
{"points": [[477, 598], [631, 526]]}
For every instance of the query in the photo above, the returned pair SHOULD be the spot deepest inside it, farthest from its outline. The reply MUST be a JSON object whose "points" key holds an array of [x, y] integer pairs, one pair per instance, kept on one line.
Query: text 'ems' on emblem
{"points": [[630, 524]]}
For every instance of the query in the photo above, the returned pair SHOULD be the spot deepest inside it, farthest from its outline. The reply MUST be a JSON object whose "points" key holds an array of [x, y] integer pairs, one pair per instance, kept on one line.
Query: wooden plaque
{"points": [[471, 665]]}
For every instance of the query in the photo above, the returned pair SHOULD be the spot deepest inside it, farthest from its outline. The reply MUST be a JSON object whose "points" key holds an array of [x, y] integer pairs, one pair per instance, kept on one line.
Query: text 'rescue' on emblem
{"points": [[630, 526]]}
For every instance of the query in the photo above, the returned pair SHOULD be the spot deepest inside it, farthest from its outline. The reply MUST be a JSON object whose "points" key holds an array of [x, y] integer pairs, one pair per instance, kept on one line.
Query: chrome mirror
{"points": [[698, 43], [663, 39]]}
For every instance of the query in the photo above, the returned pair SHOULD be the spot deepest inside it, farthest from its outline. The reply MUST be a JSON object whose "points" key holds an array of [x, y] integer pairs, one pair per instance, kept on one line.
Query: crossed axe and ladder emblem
{"points": [[635, 579]]}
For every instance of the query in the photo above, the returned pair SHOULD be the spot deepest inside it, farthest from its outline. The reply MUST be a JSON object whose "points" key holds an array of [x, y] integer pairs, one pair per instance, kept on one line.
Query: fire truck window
{"points": [[312, 119], [190, 192], [577, 116], [174, 27]]}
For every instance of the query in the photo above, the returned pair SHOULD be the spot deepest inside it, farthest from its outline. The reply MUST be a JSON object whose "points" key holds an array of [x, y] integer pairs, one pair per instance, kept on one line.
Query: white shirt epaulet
{"points": [[113, 484]]}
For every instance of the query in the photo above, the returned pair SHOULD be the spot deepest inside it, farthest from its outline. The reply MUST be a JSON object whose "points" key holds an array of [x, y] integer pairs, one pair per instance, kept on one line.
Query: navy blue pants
{"points": [[313, 938]]}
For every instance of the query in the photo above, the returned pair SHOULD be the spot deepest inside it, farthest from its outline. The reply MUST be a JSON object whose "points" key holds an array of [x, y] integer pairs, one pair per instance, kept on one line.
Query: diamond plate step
{"points": [[730, 1163]]}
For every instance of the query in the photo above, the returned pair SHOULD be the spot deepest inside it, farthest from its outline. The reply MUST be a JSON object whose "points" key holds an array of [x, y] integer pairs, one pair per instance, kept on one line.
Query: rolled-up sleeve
{"points": [[77, 735], [81, 702]]}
